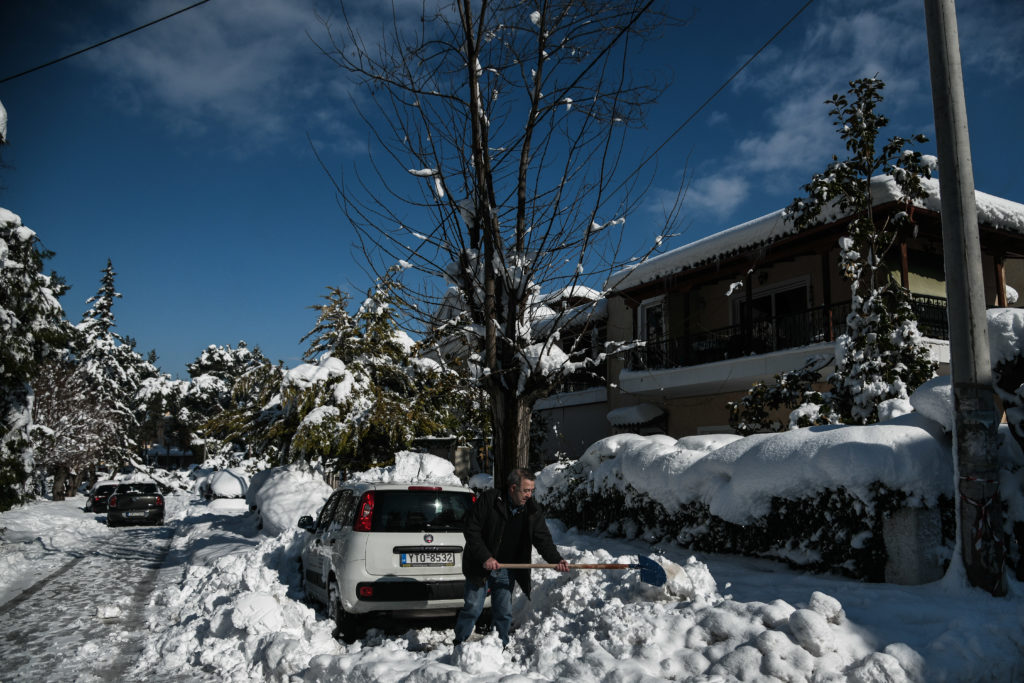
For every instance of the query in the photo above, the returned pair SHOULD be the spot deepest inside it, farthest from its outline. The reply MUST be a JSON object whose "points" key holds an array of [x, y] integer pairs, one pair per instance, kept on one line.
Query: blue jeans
{"points": [[501, 586]]}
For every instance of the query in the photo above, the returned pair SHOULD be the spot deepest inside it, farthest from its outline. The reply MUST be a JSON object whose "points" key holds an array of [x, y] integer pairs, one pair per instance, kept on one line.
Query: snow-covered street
{"points": [[76, 593], [220, 600]]}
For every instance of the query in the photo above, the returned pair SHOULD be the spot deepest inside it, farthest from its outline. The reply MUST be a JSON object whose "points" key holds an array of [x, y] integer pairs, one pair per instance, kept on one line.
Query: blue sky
{"points": [[182, 152]]}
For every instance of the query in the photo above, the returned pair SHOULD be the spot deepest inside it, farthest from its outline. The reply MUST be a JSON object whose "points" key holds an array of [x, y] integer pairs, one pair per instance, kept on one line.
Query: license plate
{"points": [[427, 559], [135, 514]]}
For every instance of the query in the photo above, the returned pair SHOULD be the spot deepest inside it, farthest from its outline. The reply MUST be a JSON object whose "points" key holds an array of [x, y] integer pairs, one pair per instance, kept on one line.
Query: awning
{"points": [[629, 416]]}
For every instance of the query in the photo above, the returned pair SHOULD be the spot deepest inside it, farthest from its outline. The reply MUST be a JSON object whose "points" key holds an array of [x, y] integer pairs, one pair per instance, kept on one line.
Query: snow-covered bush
{"points": [[814, 497]]}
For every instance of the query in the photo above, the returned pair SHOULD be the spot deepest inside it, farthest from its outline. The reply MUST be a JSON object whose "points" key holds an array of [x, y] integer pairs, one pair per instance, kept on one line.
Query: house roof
{"points": [[993, 211]]}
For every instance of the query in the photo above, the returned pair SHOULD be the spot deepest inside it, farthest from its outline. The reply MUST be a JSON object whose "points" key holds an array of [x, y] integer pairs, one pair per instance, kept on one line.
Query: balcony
{"points": [[814, 326]]}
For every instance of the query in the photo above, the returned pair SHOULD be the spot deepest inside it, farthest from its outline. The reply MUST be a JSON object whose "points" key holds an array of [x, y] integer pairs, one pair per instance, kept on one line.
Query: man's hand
{"points": [[491, 564], [562, 566]]}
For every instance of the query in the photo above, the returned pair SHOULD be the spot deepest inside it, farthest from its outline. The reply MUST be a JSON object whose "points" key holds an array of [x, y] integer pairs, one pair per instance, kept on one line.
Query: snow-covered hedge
{"points": [[814, 497]]}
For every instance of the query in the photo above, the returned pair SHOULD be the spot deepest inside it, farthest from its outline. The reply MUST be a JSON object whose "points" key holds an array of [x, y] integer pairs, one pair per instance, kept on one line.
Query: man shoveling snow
{"points": [[501, 528]]}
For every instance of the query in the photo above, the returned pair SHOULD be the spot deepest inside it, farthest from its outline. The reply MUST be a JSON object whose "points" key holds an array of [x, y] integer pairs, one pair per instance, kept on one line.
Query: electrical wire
{"points": [[103, 42], [729, 80]]}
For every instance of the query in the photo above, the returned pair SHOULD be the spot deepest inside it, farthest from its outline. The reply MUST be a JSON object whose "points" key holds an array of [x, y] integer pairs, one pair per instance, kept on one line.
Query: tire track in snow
{"points": [[36, 587], [88, 624]]}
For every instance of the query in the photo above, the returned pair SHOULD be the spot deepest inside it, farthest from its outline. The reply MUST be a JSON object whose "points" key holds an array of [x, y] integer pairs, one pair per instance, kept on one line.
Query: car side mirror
{"points": [[306, 522]]}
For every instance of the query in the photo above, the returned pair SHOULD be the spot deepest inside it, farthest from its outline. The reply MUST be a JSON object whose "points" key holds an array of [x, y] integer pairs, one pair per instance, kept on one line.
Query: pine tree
{"points": [[31, 330], [373, 395], [335, 331], [881, 355], [112, 370], [211, 393]]}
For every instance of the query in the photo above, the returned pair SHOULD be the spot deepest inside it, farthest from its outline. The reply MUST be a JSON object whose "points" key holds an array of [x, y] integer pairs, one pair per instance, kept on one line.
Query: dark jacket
{"points": [[484, 528]]}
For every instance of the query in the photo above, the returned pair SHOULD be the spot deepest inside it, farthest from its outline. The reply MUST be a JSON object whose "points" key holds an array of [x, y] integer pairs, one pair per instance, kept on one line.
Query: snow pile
{"points": [[1005, 332], [412, 467], [596, 626], [285, 494], [235, 611], [229, 483], [934, 400]]}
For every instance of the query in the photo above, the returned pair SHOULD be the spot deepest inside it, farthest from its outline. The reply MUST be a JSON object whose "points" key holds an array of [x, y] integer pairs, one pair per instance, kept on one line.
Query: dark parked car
{"points": [[97, 501], [135, 503]]}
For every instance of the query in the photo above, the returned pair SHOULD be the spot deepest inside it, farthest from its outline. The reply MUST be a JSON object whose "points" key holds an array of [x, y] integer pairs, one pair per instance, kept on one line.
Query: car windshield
{"points": [[104, 490], [421, 510]]}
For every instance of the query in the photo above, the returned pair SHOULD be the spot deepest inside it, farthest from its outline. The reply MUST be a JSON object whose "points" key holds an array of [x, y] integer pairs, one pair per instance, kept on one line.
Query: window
{"points": [[421, 510], [346, 509], [652, 323], [766, 304], [327, 510]]}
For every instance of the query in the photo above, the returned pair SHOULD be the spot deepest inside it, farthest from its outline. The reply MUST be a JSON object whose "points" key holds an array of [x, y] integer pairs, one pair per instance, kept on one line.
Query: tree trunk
{"points": [[60, 479], [510, 417], [78, 480]]}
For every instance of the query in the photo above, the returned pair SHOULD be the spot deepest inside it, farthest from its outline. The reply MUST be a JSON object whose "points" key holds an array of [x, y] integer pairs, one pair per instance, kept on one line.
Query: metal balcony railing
{"points": [[820, 324]]}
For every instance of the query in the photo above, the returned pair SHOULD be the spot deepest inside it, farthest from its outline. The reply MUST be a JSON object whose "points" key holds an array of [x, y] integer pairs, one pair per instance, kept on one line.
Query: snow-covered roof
{"points": [[994, 211]]}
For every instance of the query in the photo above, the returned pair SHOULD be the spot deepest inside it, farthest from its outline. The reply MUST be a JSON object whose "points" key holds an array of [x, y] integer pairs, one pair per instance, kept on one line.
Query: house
{"points": [[755, 300]]}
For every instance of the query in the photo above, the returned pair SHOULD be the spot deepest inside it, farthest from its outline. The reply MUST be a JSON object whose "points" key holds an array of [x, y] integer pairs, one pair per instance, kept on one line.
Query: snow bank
{"points": [[287, 493], [229, 483]]}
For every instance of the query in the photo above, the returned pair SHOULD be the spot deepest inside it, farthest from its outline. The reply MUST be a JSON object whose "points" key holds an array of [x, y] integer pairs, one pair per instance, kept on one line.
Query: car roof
{"points": [[106, 482]]}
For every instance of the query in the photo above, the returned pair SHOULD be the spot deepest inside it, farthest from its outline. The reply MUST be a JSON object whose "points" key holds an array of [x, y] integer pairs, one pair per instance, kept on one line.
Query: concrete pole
{"points": [[980, 524]]}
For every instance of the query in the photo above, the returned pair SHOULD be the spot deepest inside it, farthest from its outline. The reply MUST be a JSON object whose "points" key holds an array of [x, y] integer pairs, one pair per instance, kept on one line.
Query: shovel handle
{"points": [[510, 565]]}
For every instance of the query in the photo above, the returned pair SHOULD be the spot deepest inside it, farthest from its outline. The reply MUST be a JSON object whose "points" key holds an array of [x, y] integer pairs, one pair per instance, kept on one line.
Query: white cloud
{"points": [[717, 194], [250, 66]]}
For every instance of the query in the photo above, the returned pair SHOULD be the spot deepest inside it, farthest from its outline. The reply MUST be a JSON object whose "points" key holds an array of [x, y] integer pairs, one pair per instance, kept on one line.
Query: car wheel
{"points": [[349, 627]]}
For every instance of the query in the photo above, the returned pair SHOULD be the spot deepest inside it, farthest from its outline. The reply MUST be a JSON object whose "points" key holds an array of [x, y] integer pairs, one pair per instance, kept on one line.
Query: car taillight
{"points": [[112, 502], [97, 498], [364, 517], [474, 497], [160, 501], [366, 591]]}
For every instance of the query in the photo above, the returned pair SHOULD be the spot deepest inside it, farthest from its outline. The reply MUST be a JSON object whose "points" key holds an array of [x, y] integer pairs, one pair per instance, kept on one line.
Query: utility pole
{"points": [[979, 509]]}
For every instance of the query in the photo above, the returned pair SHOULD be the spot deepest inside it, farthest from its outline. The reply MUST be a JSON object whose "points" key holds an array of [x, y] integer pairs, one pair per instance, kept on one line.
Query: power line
{"points": [[103, 42], [729, 80]]}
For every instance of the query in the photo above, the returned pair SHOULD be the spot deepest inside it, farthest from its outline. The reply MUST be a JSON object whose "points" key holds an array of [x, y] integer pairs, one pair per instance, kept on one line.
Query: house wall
{"points": [[572, 422], [620, 328]]}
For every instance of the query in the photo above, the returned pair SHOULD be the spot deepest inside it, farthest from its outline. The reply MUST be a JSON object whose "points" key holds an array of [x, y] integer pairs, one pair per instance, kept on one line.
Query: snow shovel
{"points": [[650, 571]]}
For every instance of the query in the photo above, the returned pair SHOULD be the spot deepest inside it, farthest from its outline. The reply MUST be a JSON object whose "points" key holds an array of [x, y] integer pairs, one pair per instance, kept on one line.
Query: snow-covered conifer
{"points": [[112, 369], [31, 330], [881, 356]]}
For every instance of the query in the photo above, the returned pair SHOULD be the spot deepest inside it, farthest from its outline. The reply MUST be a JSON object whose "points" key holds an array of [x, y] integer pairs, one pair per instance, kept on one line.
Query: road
{"points": [[85, 621]]}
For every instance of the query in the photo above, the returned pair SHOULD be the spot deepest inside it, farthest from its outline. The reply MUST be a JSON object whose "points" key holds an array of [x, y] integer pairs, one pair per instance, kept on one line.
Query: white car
{"points": [[386, 548]]}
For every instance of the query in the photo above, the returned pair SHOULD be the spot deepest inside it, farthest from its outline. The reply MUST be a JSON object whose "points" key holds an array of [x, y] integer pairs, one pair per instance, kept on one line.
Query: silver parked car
{"points": [[379, 549]]}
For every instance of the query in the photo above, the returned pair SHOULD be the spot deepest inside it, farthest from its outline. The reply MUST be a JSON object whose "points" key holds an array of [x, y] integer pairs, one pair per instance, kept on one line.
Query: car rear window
{"points": [[149, 489], [421, 510], [104, 490]]}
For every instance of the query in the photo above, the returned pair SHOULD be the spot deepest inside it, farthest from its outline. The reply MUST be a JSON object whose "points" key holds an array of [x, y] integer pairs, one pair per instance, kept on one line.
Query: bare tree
{"points": [[504, 125]]}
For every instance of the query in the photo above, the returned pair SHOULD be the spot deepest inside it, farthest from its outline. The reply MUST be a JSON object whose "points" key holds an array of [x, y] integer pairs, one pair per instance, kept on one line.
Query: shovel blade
{"points": [[651, 572]]}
